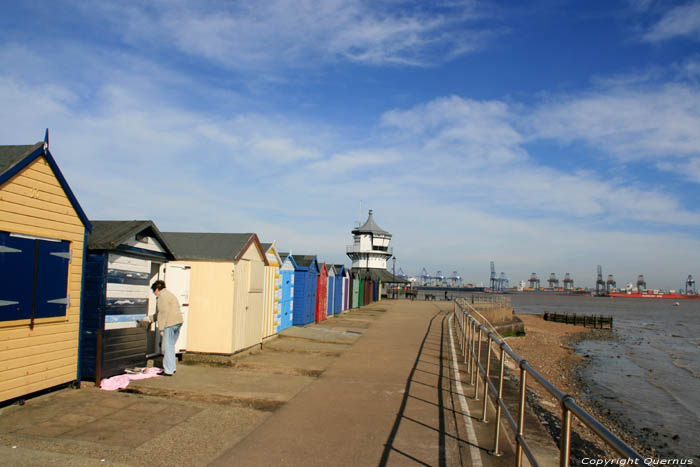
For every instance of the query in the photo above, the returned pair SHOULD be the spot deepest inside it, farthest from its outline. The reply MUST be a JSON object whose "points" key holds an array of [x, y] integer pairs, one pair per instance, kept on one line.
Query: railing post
{"points": [[468, 355], [478, 360], [565, 432], [521, 415], [497, 429], [486, 378], [464, 334]]}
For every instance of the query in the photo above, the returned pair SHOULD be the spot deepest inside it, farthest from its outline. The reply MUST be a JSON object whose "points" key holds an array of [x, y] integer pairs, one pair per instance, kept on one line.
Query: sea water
{"points": [[649, 377]]}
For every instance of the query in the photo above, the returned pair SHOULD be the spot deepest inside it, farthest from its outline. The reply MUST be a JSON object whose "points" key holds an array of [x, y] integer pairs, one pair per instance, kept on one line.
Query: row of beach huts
{"points": [[72, 290]]}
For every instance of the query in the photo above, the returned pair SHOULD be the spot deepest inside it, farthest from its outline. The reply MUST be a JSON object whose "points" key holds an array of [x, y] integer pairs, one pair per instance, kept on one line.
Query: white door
{"points": [[177, 281]]}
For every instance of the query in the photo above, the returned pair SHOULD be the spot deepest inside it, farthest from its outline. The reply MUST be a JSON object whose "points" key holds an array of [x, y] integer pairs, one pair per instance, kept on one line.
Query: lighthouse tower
{"points": [[370, 249]]}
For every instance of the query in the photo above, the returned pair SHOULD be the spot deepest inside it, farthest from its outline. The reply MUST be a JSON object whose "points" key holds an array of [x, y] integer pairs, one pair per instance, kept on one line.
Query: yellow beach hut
{"points": [[42, 247], [272, 291], [227, 276]]}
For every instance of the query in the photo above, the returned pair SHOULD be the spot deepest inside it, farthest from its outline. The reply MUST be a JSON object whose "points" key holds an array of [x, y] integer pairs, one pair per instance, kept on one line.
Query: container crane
{"points": [[568, 282], [641, 284], [690, 285], [503, 283], [553, 281], [599, 282], [610, 284], [534, 281]]}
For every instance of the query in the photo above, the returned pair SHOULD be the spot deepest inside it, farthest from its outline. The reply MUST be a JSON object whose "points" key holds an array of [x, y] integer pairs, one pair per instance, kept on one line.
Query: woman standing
{"points": [[169, 321]]}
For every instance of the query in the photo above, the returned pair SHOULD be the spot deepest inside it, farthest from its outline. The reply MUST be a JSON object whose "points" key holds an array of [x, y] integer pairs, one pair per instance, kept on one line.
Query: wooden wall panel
{"points": [[34, 203]]}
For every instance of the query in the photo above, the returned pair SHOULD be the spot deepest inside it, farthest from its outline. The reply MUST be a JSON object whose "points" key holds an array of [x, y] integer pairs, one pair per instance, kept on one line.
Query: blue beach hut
{"points": [[306, 274], [287, 268], [338, 294], [123, 260]]}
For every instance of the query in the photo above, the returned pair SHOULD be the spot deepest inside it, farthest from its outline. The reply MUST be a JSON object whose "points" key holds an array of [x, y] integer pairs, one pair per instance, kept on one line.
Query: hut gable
{"points": [[39, 179], [137, 236], [273, 257]]}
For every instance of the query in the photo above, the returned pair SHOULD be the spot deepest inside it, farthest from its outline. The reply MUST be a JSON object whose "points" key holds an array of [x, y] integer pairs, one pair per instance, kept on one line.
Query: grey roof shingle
{"points": [[304, 261], [374, 274], [10, 155], [371, 227], [207, 246], [108, 235]]}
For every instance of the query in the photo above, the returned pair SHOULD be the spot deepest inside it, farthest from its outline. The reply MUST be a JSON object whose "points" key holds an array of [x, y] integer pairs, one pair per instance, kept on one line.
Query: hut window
{"points": [[34, 277]]}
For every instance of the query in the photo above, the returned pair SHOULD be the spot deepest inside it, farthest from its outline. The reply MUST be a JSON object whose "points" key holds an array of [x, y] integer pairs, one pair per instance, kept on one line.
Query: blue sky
{"points": [[547, 136]]}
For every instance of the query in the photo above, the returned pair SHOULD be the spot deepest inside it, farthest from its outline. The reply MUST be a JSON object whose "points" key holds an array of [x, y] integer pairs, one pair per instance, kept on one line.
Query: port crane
{"points": [[599, 282], [553, 281], [455, 280], [610, 284], [690, 285], [568, 282], [503, 282], [498, 283], [641, 283], [534, 281]]}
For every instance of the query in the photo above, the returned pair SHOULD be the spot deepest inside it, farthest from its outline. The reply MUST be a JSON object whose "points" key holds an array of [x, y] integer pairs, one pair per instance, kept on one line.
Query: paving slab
{"points": [[89, 427], [321, 333], [221, 384]]}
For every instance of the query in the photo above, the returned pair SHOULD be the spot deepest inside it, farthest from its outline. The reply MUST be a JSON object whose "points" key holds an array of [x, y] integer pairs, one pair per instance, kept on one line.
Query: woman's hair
{"points": [[158, 285]]}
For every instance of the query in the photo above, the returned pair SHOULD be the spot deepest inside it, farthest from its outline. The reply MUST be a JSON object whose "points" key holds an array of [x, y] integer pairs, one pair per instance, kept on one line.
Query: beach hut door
{"points": [[177, 280]]}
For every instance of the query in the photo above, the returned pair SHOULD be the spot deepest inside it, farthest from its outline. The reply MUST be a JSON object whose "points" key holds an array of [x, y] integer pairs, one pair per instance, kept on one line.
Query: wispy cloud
{"points": [[679, 21], [648, 122], [277, 33]]}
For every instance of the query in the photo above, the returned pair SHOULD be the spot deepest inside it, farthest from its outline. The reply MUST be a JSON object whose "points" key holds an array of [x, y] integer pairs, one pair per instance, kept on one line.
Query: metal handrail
{"points": [[469, 328]]}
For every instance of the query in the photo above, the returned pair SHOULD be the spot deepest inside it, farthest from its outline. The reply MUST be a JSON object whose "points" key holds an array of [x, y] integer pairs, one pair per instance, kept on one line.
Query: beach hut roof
{"points": [[108, 235], [212, 246], [13, 159], [303, 261]]}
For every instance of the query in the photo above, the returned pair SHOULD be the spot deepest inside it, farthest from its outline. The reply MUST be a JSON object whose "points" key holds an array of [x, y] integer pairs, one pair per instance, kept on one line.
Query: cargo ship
{"points": [[671, 295]]}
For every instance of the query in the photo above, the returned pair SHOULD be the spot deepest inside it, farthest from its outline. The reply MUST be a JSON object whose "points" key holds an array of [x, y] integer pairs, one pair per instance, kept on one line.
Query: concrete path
{"points": [[376, 386], [391, 399]]}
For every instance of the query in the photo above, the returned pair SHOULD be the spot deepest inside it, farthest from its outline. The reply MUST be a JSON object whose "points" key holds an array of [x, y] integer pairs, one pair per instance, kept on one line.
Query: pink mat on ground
{"points": [[122, 381]]}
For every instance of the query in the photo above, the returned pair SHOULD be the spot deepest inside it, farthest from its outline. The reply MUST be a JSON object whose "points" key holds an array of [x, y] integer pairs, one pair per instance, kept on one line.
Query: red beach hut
{"points": [[322, 294]]}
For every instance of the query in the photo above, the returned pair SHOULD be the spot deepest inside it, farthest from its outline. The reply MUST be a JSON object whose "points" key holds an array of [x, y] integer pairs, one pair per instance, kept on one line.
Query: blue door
{"points": [[330, 295], [338, 298], [287, 300]]}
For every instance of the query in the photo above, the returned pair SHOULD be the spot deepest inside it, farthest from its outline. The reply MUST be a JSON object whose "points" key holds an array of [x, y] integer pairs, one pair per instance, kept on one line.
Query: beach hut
{"points": [[305, 284], [330, 287], [338, 294], [321, 294], [287, 291], [346, 288], [354, 292], [124, 258], [42, 241], [271, 291], [227, 277]]}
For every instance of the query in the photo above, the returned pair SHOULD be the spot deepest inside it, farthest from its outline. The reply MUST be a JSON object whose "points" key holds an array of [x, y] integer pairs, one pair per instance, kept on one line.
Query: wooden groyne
{"points": [[592, 321]]}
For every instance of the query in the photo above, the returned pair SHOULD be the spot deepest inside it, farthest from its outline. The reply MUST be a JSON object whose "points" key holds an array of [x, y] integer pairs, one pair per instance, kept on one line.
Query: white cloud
{"points": [[680, 21], [633, 124], [268, 34]]}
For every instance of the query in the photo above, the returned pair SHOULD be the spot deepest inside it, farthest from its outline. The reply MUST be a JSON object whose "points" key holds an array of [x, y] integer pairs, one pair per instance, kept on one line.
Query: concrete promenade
{"points": [[376, 386]]}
